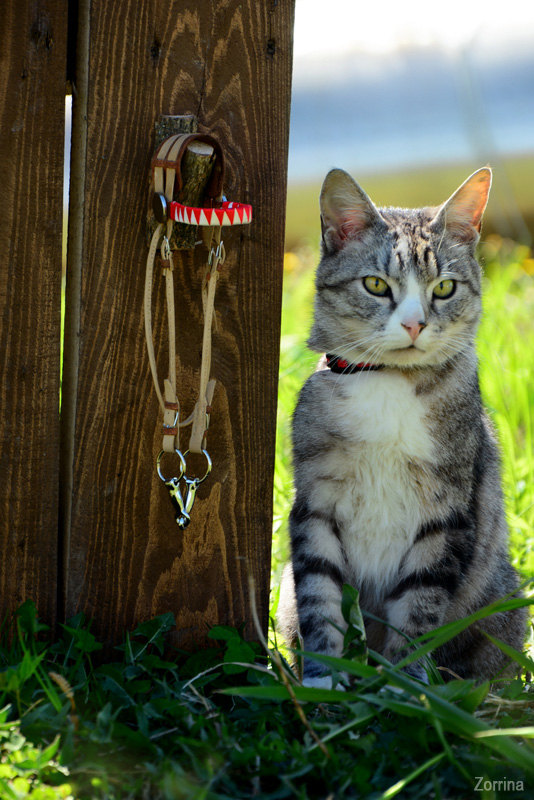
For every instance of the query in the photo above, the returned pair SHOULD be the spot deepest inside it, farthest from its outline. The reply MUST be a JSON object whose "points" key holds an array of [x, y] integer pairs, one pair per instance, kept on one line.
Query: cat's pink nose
{"points": [[413, 328]]}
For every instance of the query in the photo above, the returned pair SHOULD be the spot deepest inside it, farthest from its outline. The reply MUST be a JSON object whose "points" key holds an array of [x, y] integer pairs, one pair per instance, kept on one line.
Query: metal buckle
{"points": [[217, 252], [165, 249]]}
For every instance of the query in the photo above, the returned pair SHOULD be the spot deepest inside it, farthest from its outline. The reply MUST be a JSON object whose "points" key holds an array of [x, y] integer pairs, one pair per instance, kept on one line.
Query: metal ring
{"points": [[182, 465], [208, 468]]}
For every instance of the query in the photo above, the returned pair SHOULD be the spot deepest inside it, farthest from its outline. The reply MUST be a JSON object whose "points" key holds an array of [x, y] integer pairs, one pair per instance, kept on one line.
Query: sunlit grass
{"points": [[233, 722], [296, 363], [506, 348]]}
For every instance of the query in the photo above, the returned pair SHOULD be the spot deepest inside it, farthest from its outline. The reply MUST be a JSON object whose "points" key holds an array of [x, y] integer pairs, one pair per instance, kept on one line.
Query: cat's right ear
{"points": [[462, 213], [346, 210]]}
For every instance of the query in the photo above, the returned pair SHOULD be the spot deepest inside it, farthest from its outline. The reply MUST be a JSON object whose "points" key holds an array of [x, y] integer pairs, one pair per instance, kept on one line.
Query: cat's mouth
{"points": [[407, 349], [405, 356]]}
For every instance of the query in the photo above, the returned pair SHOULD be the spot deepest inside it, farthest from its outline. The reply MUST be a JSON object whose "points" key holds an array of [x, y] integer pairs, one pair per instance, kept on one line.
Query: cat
{"points": [[396, 467]]}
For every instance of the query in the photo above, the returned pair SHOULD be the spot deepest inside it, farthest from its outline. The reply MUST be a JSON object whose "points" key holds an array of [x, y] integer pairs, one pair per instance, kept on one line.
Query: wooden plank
{"points": [[229, 64], [32, 113]]}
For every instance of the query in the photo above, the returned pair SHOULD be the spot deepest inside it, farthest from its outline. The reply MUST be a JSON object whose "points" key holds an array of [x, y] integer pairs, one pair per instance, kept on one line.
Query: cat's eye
{"points": [[376, 285], [444, 288]]}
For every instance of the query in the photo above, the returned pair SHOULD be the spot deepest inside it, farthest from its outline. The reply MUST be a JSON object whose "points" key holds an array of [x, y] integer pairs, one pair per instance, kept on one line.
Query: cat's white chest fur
{"points": [[377, 496]]}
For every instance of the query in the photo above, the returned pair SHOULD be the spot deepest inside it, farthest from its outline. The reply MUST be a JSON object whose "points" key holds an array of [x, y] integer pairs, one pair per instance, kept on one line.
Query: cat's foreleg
{"points": [[412, 611], [318, 567], [423, 594]]}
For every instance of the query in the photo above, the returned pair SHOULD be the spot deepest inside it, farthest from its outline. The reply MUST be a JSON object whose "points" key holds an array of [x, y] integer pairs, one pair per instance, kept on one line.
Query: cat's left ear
{"points": [[346, 211], [462, 213]]}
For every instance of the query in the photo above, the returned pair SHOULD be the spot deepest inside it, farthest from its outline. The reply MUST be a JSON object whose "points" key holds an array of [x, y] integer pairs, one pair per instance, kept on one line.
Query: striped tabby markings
{"points": [[318, 575], [455, 538]]}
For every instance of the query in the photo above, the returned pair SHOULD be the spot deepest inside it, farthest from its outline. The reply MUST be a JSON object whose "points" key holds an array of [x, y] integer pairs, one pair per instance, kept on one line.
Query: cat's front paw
{"points": [[416, 671], [322, 682], [412, 671]]}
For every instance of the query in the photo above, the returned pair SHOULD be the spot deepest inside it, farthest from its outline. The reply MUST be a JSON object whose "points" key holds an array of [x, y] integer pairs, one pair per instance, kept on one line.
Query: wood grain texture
{"points": [[32, 114], [228, 63]]}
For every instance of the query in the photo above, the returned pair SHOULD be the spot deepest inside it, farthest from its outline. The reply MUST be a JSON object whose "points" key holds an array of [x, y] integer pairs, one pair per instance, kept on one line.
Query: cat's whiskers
{"points": [[365, 347], [456, 343], [368, 356], [357, 343], [367, 353], [370, 349]]}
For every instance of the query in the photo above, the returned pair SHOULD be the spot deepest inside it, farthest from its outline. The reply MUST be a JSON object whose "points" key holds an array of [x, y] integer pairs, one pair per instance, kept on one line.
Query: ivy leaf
{"points": [[28, 620], [224, 633], [238, 651]]}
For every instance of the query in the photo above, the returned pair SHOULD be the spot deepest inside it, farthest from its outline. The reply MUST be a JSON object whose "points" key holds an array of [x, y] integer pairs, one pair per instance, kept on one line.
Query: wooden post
{"points": [[229, 64], [32, 102]]}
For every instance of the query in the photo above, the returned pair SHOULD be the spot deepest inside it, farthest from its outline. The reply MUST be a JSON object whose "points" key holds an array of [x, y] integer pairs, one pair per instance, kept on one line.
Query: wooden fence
{"points": [[85, 524]]}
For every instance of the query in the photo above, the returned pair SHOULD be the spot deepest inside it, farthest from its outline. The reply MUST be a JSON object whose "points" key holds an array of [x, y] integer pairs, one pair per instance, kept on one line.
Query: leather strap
{"points": [[166, 167], [197, 441], [164, 180], [169, 158], [168, 180], [148, 310]]}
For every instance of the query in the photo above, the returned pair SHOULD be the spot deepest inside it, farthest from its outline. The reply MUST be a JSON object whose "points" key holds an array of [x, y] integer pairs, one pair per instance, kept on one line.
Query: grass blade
{"points": [[400, 785], [305, 694], [515, 655], [342, 664], [527, 732], [463, 724], [434, 639]]}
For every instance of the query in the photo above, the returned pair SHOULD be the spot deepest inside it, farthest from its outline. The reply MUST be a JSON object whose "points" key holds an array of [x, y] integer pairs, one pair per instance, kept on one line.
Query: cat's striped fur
{"points": [[396, 469]]}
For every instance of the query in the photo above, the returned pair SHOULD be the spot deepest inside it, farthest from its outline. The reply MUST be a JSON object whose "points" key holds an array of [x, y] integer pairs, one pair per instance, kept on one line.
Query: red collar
{"points": [[344, 367]]}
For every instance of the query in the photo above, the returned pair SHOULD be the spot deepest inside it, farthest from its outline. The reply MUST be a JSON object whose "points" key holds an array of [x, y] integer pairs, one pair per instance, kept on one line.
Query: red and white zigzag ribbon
{"points": [[228, 214]]}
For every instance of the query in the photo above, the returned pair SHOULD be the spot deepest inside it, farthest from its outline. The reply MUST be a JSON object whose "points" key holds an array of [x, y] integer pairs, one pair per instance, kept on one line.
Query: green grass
{"points": [[233, 721]]}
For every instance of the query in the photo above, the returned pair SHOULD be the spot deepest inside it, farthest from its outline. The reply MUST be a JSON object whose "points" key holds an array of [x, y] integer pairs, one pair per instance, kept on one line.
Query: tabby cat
{"points": [[396, 466]]}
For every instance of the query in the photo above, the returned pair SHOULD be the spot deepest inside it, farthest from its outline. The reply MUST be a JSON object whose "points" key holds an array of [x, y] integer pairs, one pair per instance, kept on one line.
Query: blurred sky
{"points": [[389, 85], [336, 27]]}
